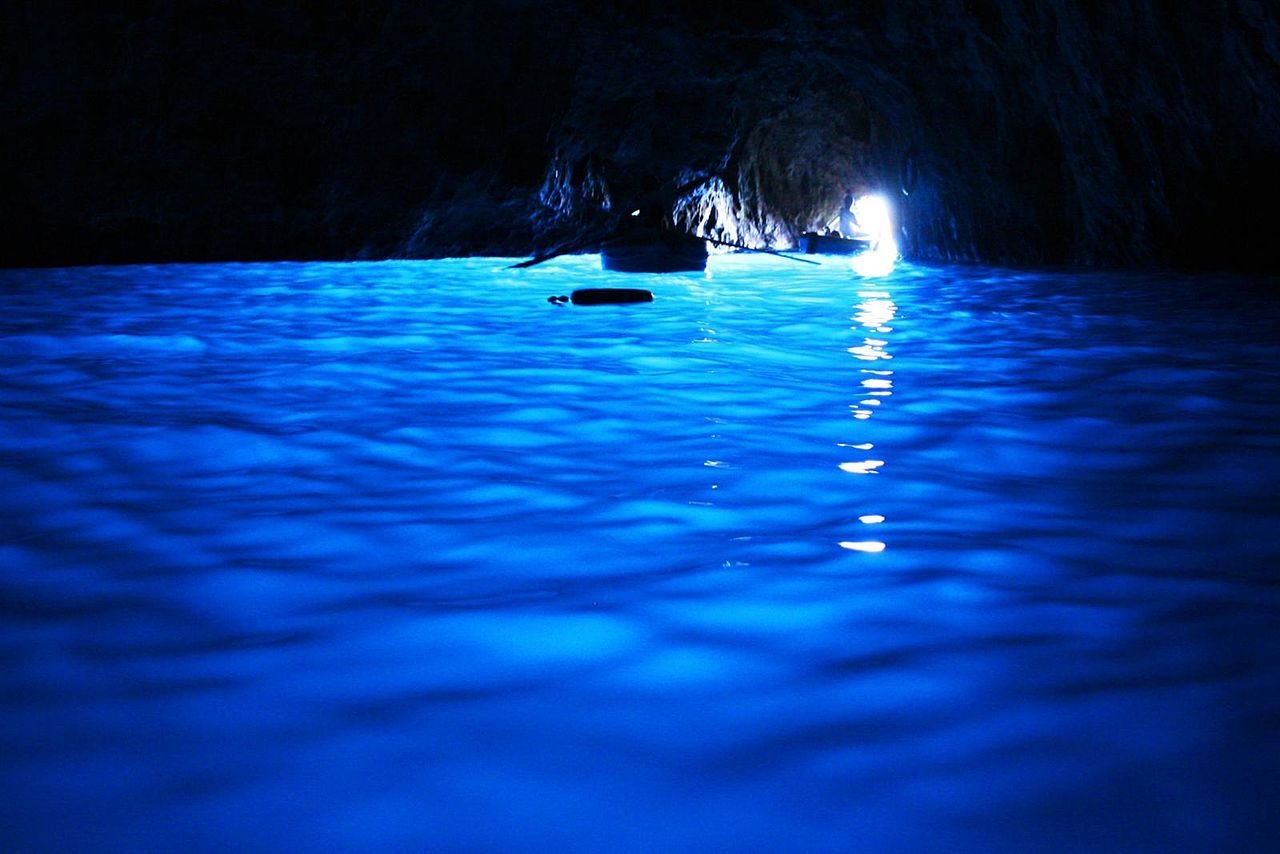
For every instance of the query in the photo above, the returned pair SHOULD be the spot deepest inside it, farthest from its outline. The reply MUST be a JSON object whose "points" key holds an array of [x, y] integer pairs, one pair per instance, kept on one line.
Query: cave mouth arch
{"points": [[763, 153], [789, 175]]}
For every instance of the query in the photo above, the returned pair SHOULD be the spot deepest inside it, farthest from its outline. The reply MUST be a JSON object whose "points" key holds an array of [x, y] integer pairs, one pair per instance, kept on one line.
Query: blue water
{"points": [[401, 556]]}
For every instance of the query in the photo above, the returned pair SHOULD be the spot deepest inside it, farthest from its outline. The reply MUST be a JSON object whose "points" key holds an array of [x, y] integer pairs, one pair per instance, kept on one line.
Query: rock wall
{"points": [[1129, 132], [1026, 131]]}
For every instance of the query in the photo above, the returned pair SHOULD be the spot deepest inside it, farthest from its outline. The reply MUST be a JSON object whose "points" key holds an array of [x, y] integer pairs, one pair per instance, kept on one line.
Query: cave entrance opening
{"points": [[868, 219], [875, 216]]}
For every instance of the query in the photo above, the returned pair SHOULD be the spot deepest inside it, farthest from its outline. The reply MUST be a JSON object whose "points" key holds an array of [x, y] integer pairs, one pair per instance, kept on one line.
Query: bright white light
{"points": [[873, 215], [871, 519], [875, 313], [863, 547], [874, 262], [869, 353], [875, 218]]}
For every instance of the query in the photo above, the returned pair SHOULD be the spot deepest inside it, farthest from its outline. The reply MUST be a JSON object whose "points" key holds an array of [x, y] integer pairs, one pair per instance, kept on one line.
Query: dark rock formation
{"points": [[1027, 131]]}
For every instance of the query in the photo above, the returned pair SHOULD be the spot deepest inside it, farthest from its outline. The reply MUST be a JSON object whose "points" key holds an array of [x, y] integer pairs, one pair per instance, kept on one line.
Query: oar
{"points": [[557, 252], [753, 249]]}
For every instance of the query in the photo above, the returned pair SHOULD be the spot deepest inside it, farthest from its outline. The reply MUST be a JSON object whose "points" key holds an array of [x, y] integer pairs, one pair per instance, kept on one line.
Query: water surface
{"points": [[401, 555]]}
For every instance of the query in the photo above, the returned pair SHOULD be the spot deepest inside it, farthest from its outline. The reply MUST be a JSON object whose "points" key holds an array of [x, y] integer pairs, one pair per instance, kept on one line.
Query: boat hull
{"points": [[829, 244], [661, 254]]}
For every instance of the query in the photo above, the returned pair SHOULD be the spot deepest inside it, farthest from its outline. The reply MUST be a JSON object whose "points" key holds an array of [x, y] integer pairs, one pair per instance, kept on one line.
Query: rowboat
{"points": [[654, 252], [812, 243]]}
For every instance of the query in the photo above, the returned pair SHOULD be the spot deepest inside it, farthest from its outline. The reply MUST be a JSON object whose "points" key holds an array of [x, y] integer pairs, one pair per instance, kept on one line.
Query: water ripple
{"points": [[364, 555]]}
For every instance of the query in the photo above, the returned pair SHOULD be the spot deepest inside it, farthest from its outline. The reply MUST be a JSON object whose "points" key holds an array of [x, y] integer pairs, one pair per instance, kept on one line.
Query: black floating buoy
{"points": [[610, 296]]}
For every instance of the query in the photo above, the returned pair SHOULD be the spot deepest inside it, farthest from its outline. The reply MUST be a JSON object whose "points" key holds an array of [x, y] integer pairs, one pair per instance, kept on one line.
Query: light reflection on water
{"points": [[378, 555]]}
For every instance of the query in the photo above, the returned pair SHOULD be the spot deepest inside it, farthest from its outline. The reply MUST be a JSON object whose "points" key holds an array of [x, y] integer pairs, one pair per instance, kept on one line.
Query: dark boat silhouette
{"points": [[812, 243], [653, 251]]}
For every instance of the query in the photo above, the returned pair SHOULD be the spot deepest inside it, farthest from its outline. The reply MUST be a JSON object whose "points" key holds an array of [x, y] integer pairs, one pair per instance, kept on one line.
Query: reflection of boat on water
{"points": [[812, 243], [654, 252]]}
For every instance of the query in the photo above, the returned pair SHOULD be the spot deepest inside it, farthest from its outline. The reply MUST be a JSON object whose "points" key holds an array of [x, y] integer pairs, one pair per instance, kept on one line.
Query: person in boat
{"points": [[652, 207], [846, 221], [649, 210], [649, 213]]}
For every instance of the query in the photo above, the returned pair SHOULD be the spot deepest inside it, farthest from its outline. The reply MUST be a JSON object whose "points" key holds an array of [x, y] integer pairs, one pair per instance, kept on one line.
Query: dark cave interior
{"points": [[1121, 134]]}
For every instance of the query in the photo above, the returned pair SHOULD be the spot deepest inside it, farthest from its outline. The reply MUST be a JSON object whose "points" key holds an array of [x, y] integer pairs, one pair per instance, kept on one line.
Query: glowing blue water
{"points": [[309, 556]]}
